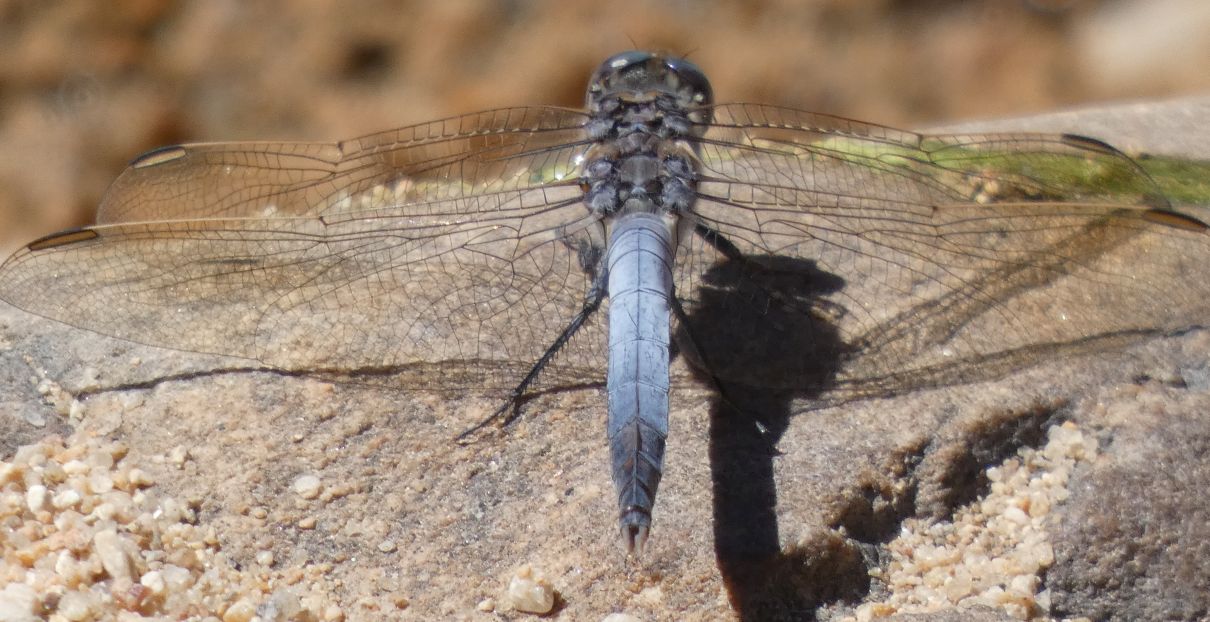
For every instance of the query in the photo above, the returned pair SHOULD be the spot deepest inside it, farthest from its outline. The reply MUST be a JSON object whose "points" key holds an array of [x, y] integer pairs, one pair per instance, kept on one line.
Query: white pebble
{"points": [[69, 520], [10, 499], [178, 456], [35, 498], [619, 617], [176, 579], [1043, 555], [1015, 515], [153, 581], [530, 593], [109, 548], [46, 387], [17, 603], [282, 604], [103, 458], [8, 472], [100, 481], [75, 467], [308, 486], [241, 611], [138, 477], [66, 499], [66, 566], [29, 455], [76, 606], [1024, 584]]}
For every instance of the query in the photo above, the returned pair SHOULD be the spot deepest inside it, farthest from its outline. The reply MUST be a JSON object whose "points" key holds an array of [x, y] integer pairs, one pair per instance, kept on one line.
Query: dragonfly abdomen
{"points": [[640, 286]]}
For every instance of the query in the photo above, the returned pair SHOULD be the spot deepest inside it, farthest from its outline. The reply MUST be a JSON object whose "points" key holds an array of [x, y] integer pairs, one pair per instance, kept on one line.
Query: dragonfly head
{"points": [[637, 76]]}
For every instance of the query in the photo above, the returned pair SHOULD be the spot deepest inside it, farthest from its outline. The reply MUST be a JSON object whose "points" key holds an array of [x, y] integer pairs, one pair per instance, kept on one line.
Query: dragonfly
{"points": [[514, 250]]}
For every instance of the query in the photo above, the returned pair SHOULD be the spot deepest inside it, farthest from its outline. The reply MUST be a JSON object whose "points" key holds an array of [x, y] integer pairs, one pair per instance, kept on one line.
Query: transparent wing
{"points": [[864, 260], [452, 245], [491, 153], [888, 260]]}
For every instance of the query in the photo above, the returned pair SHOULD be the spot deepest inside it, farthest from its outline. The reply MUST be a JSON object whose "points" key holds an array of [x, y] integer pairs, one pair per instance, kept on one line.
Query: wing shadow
{"points": [[760, 332]]}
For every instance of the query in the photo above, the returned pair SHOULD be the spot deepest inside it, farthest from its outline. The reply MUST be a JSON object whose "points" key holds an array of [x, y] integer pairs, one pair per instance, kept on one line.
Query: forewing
{"points": [[925, 260], [502, 150], [452, 244]]}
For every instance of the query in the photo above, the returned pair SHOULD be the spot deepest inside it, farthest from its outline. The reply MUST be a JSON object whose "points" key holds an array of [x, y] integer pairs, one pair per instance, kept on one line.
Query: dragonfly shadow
{"points": [[761, 333]]}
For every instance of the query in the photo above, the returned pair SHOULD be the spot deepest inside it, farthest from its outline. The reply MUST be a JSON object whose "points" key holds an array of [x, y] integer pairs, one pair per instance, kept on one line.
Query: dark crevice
{"points": [[873, 517], [954, 474]]}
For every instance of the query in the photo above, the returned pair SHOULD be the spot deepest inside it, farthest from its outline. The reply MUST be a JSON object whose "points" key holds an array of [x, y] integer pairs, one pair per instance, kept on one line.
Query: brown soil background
{"points": [[86, 86]]}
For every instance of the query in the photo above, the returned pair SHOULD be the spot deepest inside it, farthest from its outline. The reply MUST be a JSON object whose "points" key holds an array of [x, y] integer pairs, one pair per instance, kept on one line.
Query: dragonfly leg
{"points": [[592, 302], [719, 242]]}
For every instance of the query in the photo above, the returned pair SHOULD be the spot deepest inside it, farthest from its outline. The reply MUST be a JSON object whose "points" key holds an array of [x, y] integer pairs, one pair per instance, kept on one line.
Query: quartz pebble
{"points": [[35, 498], [178, 456], [530, 592], [308, 486], [113, 558], [18, 603]]}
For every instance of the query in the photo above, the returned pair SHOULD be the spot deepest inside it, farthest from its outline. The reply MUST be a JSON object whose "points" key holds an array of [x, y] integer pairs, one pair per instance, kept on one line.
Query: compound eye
{"points": [[693, 76], [614, 66], [626, 59]]}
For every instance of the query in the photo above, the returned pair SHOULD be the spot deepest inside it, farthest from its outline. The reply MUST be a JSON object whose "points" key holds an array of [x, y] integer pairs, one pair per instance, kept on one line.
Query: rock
{"points": [[19, 603], [530, 592], [1133, 543]]}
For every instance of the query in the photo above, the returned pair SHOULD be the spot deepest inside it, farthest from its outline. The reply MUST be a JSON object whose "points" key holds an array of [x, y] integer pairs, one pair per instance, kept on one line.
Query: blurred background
{"points": [[85, 86]]}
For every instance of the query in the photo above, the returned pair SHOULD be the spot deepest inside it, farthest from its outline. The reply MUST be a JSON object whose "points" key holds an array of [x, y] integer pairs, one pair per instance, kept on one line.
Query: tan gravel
{"points": [[994, 550], [88, 537]]}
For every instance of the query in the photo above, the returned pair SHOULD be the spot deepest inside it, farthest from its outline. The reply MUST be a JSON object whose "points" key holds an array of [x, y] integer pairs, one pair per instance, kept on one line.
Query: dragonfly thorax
{"points": [[645, 112], [639, 182]]}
